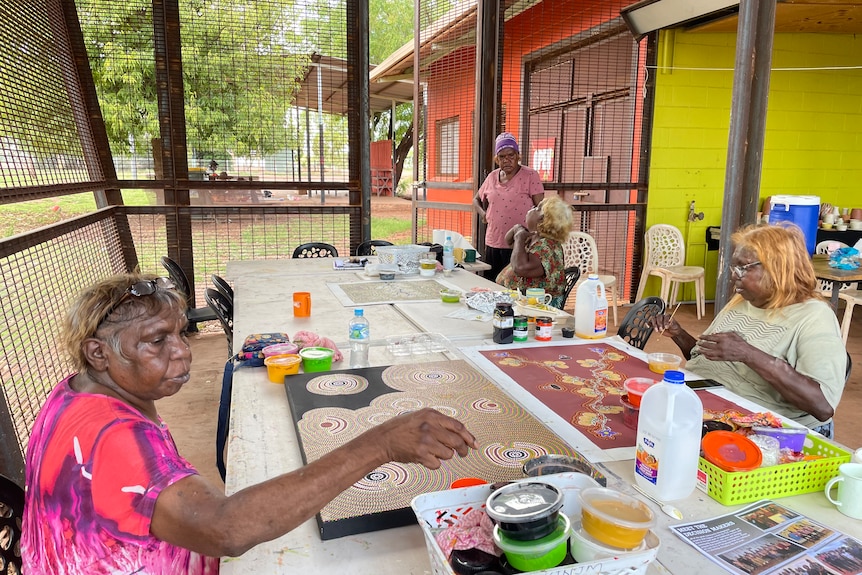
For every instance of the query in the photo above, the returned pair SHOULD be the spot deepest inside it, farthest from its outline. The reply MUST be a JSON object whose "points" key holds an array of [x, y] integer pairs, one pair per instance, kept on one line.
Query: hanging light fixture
{"points": [[650, 15]]}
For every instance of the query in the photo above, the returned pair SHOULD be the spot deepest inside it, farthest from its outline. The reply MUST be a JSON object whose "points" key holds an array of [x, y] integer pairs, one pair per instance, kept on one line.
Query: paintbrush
{"points": [[676, 309]]}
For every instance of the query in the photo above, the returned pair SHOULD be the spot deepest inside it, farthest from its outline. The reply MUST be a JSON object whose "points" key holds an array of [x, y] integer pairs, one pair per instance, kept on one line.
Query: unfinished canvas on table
{"points": [[329, 409]]}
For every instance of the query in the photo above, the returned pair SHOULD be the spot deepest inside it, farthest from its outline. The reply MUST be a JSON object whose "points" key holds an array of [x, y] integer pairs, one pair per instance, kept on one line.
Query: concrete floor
{"points": [[192, 413]]}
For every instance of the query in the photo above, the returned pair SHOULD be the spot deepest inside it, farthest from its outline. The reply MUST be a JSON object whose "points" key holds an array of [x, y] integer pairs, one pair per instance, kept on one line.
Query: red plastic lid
{"points": [[467, 482], [731, 451]]}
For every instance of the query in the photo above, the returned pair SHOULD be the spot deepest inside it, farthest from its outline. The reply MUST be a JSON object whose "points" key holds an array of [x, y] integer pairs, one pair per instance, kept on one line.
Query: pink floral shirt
{"points": [[95, 467], [508, 203]]}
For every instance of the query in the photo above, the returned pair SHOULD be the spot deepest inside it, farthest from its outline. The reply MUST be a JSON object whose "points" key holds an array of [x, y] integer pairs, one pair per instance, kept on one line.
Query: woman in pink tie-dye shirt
{"points": [[107, 491]]}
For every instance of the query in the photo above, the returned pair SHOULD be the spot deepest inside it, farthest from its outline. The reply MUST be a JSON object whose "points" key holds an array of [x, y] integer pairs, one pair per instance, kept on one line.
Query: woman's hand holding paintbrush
{"points": [[665, 324]]}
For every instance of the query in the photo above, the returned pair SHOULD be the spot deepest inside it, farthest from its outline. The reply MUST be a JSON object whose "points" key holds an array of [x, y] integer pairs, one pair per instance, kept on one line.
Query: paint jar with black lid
{"points": [[504, 317]]}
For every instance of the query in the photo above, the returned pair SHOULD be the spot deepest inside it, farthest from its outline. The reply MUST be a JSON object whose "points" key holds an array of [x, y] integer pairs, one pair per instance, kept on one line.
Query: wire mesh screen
{"points": [[264, 84], [41, 142], [570, 87], [222, 234], [40, 275]]}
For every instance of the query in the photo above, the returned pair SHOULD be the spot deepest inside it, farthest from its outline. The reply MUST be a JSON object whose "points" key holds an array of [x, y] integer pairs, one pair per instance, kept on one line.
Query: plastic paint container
{"points": [[538, 554], [543, 328], [316, 359], [586, 548], [278, 366], [521, 328], [450, 295], [662, 362], [279, 349], [614, 518], [635, 388], [525, 511], [788, 437], [731, 451]]}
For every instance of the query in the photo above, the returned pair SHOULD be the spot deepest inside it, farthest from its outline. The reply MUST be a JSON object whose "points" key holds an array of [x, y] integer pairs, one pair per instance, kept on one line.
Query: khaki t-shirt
{"points": [[806, 335]]}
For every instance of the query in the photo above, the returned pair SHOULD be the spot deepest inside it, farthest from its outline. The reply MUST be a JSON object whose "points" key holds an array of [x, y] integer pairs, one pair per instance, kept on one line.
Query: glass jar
{"points": [[504, 317]]}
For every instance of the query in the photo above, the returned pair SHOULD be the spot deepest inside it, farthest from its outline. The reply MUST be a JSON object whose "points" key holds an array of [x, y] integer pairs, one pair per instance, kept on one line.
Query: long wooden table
{"points": [[262, 442]]}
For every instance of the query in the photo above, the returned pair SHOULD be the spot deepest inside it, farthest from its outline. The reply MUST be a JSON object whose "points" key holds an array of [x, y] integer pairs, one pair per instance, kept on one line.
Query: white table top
{"points": [[262, 442]]}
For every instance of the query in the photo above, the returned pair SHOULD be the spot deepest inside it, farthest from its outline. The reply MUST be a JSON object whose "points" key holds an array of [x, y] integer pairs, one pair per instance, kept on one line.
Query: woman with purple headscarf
{"points": [[504, 199]]}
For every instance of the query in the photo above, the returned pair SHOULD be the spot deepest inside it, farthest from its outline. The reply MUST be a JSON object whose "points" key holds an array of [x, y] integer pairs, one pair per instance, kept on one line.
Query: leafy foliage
{"points": [[242, 63]]}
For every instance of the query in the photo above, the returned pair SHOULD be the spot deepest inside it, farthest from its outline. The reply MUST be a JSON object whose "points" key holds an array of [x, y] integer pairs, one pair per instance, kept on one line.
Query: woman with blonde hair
{"points": [[776, 342], [537, 250]]}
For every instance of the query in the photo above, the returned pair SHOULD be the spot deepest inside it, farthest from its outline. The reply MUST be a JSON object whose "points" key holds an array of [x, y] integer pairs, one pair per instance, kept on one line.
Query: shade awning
{"points": [[324, 86]]}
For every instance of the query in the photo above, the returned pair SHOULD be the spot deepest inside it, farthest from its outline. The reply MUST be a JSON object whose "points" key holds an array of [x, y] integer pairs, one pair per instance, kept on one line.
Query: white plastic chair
{"points": [[665, 258], [851, 297], [580, 251]]}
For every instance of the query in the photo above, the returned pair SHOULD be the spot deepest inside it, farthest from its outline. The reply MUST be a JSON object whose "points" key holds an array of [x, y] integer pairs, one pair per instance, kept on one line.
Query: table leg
{"points": [[836, 286]]}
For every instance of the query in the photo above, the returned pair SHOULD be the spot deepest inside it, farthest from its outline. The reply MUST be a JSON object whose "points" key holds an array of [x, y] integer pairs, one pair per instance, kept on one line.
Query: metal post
{"points": [[320, 131], [754, 40], [484, 129]]}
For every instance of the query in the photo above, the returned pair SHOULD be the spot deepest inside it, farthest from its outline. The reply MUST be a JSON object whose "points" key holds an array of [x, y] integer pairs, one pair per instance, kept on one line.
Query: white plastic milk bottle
{"points": [[591, 309], [668, 439]]}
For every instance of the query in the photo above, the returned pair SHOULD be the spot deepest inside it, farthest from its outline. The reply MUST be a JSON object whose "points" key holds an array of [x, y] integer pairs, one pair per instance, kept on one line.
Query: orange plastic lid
{"points": [[731, 451], [467, 482]]}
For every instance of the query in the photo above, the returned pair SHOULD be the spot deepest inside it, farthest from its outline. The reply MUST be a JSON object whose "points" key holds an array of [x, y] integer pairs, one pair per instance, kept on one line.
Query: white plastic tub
{"points": [[434, 511]]}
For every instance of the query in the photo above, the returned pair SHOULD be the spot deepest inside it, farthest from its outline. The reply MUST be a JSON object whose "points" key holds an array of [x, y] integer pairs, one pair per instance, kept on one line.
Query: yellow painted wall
{"points": [[813, 143]]}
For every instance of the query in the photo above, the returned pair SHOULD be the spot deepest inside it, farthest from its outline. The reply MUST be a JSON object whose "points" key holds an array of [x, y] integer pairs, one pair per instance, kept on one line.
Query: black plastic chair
{"points": [[636, 328], [195, 315], [572, 275], [223, 308], [223, 287], [367, 248], [223, 422], [315, 250], [11, 511]]}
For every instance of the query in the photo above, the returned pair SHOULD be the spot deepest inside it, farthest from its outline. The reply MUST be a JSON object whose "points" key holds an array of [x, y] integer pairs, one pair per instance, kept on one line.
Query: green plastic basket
{"points": [[731, 488]]}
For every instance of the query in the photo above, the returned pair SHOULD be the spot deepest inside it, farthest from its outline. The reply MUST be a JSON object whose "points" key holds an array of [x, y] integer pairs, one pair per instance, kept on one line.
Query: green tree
{"points": [[390, 27], [241, 59]]}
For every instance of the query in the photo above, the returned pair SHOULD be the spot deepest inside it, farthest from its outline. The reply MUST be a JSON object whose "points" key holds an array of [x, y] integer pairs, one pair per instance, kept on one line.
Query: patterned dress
{"points": [[95, 467], [550, 252]]}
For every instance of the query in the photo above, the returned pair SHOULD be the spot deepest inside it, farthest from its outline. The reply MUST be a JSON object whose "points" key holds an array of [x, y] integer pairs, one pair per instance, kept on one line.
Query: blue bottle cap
{"points": [[673, 376]]}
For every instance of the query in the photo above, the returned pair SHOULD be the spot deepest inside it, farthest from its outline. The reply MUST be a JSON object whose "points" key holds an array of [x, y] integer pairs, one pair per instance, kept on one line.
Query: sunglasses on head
{"points": [[140, 289]]}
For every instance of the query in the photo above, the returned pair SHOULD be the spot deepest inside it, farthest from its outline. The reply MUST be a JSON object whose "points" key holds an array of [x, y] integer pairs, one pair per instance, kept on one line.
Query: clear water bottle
{"points": [[448, 254], [360, 335], [668, 439]]}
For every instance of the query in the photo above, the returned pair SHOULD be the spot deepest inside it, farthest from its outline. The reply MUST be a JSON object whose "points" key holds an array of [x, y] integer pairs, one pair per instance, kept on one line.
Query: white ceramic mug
{"points": [[828, 219], [849, 480], [537, 295]]}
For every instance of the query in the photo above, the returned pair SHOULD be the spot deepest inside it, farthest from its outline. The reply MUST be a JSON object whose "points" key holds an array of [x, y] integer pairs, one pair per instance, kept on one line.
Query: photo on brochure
{"points": [[767, 538]]}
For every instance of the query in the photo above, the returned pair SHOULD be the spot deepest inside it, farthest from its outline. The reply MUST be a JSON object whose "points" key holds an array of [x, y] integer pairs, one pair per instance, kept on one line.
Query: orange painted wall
{"points": [[451, 79], [452, 90]]}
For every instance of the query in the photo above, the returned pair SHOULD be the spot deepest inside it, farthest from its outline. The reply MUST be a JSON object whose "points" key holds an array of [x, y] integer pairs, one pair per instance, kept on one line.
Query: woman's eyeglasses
{"points": [[740, 271], [140, 289]]}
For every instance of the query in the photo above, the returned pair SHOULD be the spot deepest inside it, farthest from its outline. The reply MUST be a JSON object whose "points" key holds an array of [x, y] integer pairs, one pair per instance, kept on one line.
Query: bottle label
{"points": [[543, 332], [601, 322], [646, 463], [359, 332], [503, 322]]}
